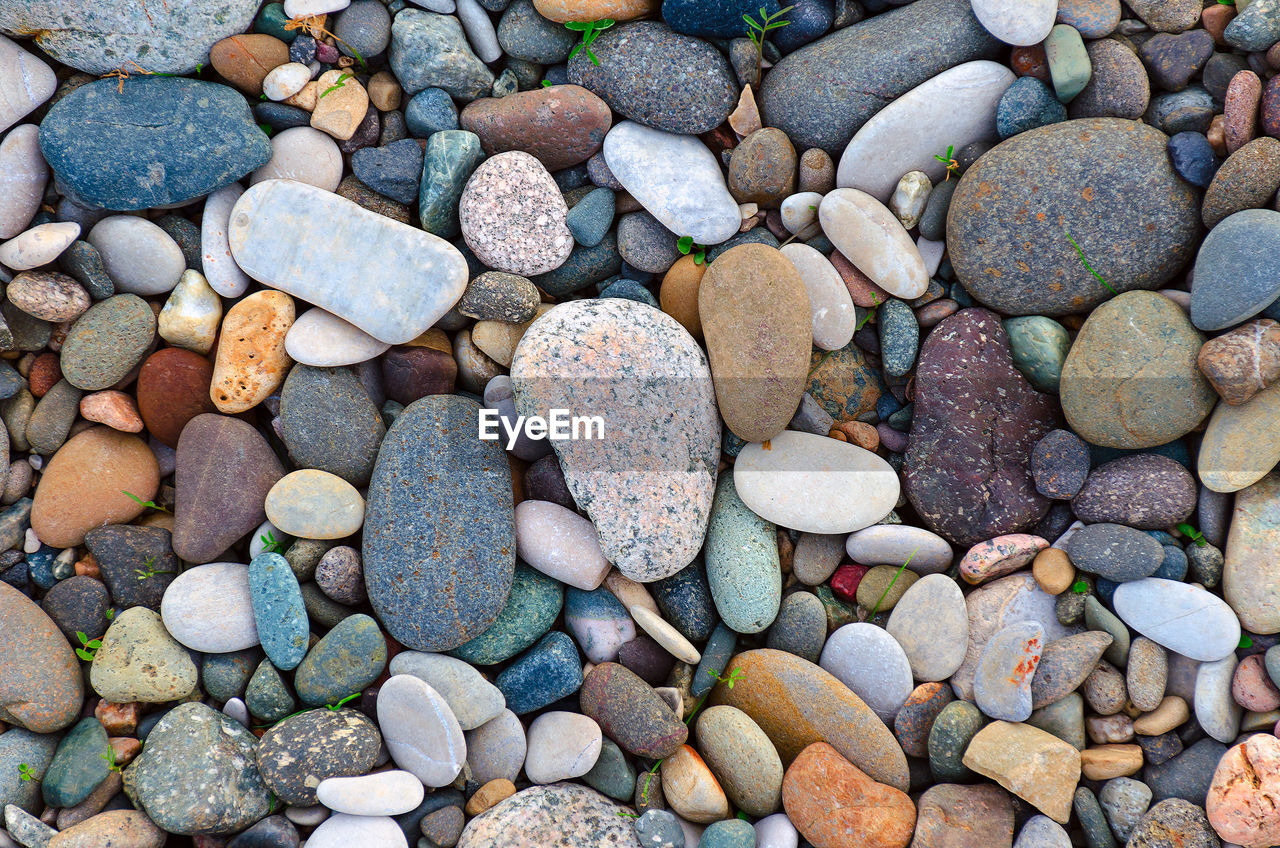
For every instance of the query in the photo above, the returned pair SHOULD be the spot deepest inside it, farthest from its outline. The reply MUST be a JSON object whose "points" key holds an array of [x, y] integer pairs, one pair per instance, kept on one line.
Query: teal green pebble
{"points": [[347, 659], [1069, 65], [741, 554], [612, 775], [729, 833], [271, 21], [530, 611], [78, 765], [267, 696], [715, 656], [450, 157], [278, 610], [949, 737], [1039, 347]]}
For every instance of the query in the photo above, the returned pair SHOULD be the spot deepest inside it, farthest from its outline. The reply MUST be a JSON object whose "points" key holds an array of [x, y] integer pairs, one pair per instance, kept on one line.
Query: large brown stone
{"points": [[951, 815], [630, 712], [759, 333], [84, 485], [1242, 362], [173, 388], [224, 470], [834, 804], [1036, 766], [796, 703], [245, 60], [41, 688], [976, 420], [114, 827], [562, 126]]}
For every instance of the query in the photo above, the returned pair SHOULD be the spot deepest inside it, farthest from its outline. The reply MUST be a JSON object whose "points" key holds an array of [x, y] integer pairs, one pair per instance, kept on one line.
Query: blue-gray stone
{"points": [[933, 223], [591, 217], [586, 265], [692, 90], [329, 422], [19, 746], [349, 657], [272, 832], [659, 829], [547, 672], [715, 656], [728, 833], [78, 765], [531, 609], [278, 610], [439, 533], [450, 158], [280, 116], [630, 290], [646, 244], [612, 775], [394, 170], [807, 21], [429, 50], [430, 111], [1237, 272], [1115, 552], [685, 601], [363, 29], [1189, 110], [160, 141], [718, 18], [83, 261], [1255, 29], [1174, 566], [524, 34], [821, 94], [224, 676], [267, 696], [1186, 776], [1025, 105], [899, 337]]}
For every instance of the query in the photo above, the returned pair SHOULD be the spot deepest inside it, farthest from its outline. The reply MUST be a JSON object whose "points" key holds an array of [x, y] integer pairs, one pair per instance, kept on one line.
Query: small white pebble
{"points": [[32, 542]]}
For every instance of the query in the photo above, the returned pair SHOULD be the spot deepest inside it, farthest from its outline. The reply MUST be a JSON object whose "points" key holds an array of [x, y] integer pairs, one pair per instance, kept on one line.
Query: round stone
{"points": [[513, 216]]}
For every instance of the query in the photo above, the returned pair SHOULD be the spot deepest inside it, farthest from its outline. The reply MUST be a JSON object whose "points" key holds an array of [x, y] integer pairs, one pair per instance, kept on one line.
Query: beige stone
{"points": [[1171, 713], [252, 361], [1036, 766], [341, 104], [691, 789], [1103, 762]]}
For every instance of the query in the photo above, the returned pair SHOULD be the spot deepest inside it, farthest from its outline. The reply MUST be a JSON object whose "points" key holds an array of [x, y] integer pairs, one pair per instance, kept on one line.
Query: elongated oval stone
{"points": [[743, 569], [154, 142], [815, 484], [871, 237], [1183, 618], [439, 534], [389, 279], [278, 610], [954, 109], [1247, 581], [647, 483]]}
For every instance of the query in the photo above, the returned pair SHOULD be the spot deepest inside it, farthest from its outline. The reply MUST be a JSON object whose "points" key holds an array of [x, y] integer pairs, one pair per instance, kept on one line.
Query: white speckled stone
{"points": [[1179, 616], [1042, 832], [220, 269], [513, 215], [869, 661], [871, 238], [25, 83], [191, 315], [208, 608], [38, 246], [23, 175], [834, 316], [343, 831], [1017, 22], [304, 154], [955, 108], [140, 257], [675, 178], [386, 793], [931, 624], [925, 552], [324, 340], [389, 279], [420, 731], [562, 746], [815, 484], [473, 700]]}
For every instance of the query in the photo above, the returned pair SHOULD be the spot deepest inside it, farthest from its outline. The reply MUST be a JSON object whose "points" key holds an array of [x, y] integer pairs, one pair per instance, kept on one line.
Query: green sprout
{"points": [[110, 613], [330, 707], [341, 83], [687, 245], [147, 504], [110, 757], [590, 32], [88, 647], [335, 707], [24, 772], [896, 575], [869, 314], [199, 67], [1246, 641], [266, 128], [948, 159], [269, 543], [1080, 587], [757, 31], [147, 570], [546, 83], [1087, 265], [728, 681], [1193, 534]]}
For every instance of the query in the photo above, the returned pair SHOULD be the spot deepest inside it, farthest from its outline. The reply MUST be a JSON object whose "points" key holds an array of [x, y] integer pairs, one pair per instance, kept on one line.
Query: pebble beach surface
{"points": [[917, 371]]}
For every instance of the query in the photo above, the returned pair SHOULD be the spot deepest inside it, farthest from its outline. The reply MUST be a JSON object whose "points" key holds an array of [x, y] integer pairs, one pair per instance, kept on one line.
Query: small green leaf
{"points": [[1080, 587], [1245, 641], [110, 613], [684, 244], [199, 67], [742, 815], [546, 83], [266, 128]]}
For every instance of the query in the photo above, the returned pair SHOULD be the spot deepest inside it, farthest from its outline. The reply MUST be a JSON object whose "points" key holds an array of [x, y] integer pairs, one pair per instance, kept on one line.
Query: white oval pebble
{"points": [[834, 315], [1017, 22], [473, 700], [870, 662], [324, 340], [23, 175], [284, 81], [478, 26], [38, 246], [815, 484], [420, 731], [1216, 709], [310, 8], [343, 831], [385, 793], [304, 154], [931, 623], [220, 269], [208, 608], [562, 746], [666, 635], [25, 81], [923, 551], [800, 214], [140, 257], [776, 831], [560, 543], [1181, 617], [872, 239]]}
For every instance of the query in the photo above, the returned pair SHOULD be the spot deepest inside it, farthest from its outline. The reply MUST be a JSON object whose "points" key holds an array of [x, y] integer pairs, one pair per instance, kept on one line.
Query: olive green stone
{"points": [[1064, 719], [883, 586], [949, 737]]}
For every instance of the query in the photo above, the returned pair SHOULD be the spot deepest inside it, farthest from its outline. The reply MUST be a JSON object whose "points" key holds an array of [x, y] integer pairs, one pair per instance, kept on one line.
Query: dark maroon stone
{"points": [[415, 372], [544, 481], [647, 659], [976, 419], [1144, 490]]}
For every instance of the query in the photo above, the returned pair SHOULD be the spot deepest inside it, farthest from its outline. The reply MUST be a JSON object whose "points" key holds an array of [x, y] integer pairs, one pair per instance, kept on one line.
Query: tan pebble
{"points": [[679, 293], [1217, 135], [252, 362], [561, 11], [860, 433], [341, 104], [629, 592], [87, 568], [746, 118], [307, 98], [1109, 729], [666, 635], [691, 789], [1107, 761], [384, 92], [38, 246], [115, 409], [489, 795], [498, 339], [434, 338], [475, 369], [48, 295], [1053, 571], [191, 315], [1171, 713]]}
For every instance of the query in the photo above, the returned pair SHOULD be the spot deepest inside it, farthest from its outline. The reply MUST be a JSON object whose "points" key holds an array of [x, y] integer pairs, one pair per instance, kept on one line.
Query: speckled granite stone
{"points": [[513, 216], [562, 814]]}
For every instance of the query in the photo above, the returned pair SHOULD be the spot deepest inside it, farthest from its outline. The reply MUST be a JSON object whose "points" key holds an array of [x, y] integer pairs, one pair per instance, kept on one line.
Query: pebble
{"points": [[1241, 181], [300, 752], [1231, 288], [38, 246], [346, 831], [1003, 681], [872, 664], [1243, 780], [472, 699], [826, 797], [324, 340], [561, 746], [531, 608], [561, 126], [420, 731], [930, 623], [741, 553], [497, 748], [543, 814], [23, 174], [139, 661], [191, 315], [210, 608], [429, 50], [1181, 617], [1146, 674], [1145, 491], [512, 216]]}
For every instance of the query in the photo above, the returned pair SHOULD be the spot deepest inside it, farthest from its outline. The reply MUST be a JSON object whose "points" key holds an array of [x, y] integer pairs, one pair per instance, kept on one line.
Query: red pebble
{"points": [[846, 579]]}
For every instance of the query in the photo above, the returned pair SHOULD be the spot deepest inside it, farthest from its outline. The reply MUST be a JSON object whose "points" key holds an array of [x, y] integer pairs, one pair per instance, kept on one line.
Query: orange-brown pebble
{"points": [[115, 409], [118, 719], [860, 433], [833, 803], [1104, 762], [864, 292], [679, 293], [1217, 135], [493, 792], [88, 567], [46, 370], [1053, 571], [125, 748], [252, 362], [1215, 19]]}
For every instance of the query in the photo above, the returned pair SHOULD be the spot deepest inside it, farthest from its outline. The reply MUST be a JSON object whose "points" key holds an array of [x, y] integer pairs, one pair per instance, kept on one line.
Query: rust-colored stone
{"points": [[45, 373], [1240, 109], [834, 804], [562, 126], [1243, 362], [173, 388], [245, 60]]}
